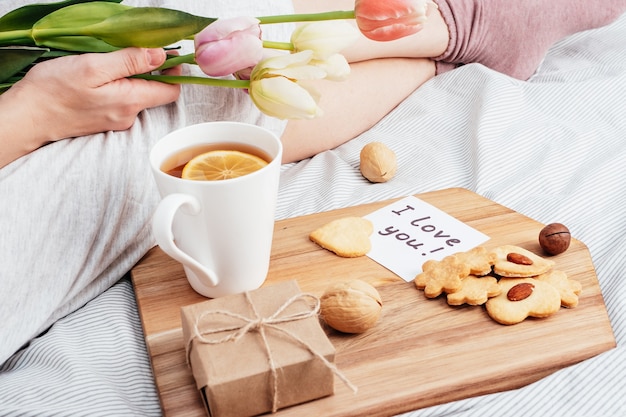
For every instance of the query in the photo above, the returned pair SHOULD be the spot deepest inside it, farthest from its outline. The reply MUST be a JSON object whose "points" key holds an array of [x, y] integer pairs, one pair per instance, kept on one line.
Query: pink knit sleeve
{"points": [[513, 37]]}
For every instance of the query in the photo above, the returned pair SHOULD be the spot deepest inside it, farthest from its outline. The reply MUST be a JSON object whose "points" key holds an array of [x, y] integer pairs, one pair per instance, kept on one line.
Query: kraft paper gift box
{"points": [[243, 370]]}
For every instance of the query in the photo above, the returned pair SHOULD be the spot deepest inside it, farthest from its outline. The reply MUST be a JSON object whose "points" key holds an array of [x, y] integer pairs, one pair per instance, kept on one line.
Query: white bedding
{"points": [[552, 148]]}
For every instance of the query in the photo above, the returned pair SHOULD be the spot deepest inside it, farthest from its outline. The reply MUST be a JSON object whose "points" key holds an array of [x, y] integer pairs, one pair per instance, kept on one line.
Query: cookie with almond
{"points": [[515, 261]]}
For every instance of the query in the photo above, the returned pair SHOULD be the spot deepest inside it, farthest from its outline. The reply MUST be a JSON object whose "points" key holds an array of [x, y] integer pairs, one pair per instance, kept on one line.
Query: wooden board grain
{"points": [[422, 352]]}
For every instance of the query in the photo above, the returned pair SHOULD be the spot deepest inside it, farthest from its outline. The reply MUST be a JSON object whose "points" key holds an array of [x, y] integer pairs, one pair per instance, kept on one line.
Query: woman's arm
{"points": [[382, 75], [79, 95], [429, 42], [352, 106]]}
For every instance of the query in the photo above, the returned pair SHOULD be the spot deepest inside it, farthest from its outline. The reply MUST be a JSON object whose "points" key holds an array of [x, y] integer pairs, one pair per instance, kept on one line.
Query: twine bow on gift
{"points": [[261, 324]]}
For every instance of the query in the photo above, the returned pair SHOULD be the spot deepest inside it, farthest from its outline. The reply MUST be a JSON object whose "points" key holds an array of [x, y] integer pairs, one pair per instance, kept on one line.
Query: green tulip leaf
{"points": [[148, 27], [79, 27], [26, 16], [15, 59], [66, 28], [78, 44]]}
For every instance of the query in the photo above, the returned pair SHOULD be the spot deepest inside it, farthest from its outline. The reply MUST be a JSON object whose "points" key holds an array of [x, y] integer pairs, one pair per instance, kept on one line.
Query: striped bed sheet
{"points": [[552, 148]]}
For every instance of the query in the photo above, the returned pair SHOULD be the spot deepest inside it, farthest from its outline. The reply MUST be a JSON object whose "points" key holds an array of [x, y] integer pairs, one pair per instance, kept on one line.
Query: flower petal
{"points": [[294, 66], [286, 60], [324, 38], [390, 19], [229, 55], [222, 28], [229, 45], [336, 67], [303, 72], [284, 99]]}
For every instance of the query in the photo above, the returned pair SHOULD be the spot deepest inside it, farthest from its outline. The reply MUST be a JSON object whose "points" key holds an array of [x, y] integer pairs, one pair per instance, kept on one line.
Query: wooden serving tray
{"points": [[422, 352]]}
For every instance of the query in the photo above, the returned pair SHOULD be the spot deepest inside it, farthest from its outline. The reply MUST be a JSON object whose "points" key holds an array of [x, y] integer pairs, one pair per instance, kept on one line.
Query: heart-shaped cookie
{"points": [[348, 237]]}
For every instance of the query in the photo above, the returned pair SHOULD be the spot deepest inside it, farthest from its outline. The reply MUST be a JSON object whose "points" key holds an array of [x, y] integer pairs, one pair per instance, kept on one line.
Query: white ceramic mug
{"points": [[221, 231]]}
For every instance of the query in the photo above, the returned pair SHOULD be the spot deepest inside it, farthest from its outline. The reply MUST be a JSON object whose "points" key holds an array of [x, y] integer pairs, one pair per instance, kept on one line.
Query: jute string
{"points": [[261, 325]]}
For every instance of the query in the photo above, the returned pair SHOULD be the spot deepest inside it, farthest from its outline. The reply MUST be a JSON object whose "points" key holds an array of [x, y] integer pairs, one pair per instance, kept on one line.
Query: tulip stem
{"points": [[16, 37], [285, 46], [173, 60], [183, 79], [307, 17]]}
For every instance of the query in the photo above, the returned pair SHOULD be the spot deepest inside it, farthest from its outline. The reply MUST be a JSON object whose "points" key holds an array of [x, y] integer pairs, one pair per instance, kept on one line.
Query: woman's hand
{"points": [[79, 95]]}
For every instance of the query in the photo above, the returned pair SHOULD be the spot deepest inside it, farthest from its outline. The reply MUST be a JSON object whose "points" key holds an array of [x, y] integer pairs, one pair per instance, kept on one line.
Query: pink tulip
{"points": [[229, 45], [386, 20]]}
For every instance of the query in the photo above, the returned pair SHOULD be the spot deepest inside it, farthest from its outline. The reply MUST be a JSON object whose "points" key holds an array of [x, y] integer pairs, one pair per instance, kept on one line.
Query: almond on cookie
{"points": [[514, 261]]}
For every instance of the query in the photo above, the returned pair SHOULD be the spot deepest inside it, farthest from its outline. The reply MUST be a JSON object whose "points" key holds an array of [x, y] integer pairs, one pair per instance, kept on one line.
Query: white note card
{"points": [[410, 231]]}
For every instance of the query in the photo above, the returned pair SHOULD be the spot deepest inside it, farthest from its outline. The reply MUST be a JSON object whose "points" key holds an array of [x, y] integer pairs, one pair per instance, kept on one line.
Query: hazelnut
{"points": [[351, 306], [554, 238], [378, 162]]}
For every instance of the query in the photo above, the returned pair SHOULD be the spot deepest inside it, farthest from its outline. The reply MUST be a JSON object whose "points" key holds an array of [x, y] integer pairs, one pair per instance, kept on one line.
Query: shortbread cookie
{"points": [[569, 289], [475, 291], [521, 298], [347, 237], [479, 259], [514, 261], [440, 276]]}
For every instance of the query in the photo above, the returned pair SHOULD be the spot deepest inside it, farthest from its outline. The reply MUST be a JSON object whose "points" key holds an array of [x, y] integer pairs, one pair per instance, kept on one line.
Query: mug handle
{"points": [[162, 230]]}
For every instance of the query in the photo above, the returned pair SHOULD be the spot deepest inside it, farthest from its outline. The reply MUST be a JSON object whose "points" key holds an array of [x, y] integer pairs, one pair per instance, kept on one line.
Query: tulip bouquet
{"points": [[277, 84]]}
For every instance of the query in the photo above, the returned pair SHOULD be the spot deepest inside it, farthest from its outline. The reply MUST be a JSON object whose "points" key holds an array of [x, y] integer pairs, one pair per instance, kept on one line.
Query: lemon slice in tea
{"points": [[222, 165]]}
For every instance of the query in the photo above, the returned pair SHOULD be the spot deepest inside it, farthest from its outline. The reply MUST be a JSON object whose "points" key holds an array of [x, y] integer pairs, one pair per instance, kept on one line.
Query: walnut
{"points": [[351, 306], [378, 162]]}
